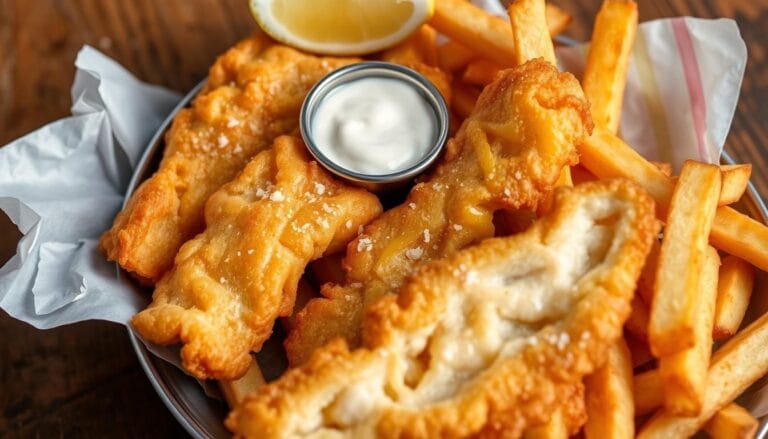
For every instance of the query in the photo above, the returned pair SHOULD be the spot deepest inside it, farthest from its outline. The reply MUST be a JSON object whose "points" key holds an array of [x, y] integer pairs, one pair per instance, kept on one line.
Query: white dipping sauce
{"points": [[374, 126]]}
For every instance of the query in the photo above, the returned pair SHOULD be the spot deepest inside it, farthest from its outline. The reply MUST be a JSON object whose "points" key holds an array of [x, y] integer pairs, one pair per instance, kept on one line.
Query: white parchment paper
{"points": [[63, 184]]}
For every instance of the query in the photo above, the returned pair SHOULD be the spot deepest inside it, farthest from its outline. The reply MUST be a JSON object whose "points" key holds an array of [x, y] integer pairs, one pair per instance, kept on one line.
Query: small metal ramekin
{"points": [[373, 69]]}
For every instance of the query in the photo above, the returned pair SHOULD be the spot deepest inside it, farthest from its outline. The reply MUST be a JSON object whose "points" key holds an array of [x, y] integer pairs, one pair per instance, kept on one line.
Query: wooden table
{"points": [[84, 380]]}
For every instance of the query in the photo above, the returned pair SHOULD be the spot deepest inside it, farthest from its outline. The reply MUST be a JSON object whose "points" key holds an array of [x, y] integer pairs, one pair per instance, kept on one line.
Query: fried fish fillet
{"points": [[253, 94], [231, 282], [507, 154], [484, 342]]}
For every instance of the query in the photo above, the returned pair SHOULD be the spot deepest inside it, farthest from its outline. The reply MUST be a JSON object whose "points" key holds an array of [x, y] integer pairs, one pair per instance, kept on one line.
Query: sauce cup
{"points": [[390, 179]]}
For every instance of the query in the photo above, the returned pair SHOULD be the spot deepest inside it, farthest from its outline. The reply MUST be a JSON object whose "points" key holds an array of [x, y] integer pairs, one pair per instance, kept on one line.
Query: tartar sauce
{"points": [[374, 126]]}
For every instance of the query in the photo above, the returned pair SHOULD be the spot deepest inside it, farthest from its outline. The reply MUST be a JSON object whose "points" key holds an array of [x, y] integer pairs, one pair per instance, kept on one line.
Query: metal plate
{"points": [[203, 416]]}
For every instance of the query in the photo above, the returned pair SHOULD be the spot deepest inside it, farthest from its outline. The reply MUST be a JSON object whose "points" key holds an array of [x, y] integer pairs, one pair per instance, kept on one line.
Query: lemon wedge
{"points": [[341, 27]]}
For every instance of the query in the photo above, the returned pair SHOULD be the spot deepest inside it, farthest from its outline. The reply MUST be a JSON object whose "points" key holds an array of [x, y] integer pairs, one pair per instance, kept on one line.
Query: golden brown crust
{"points": [[231, 282], [230, 121], [486, 342], [507, 154]]}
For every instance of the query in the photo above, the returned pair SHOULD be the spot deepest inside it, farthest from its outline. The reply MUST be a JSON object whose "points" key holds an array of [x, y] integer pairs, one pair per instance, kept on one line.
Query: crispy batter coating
{"points": [[484, 342], [507, 154], [254, 93], [231, 282]]}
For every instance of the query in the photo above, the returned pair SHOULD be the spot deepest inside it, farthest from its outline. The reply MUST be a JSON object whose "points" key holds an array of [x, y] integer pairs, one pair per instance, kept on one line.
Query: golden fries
{"points": [[234, 391], [557, 19], [453, 56], [741, 236], [735, 181], [732, 422], [649, 392], [607, 156], [664, 167], [684, 374], [610, 409], [734, 367], [673, 310], [464, 98], [734, 290], [608, 59], [480, 72], [554, 429], [529, 31], [486, 35]]}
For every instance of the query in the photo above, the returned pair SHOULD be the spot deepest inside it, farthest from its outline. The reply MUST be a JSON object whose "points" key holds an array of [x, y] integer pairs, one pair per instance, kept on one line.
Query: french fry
{"points": [[464, 98], [648, 276], [639, 350], [426, 44], [234, 391], [735, 366], [483, 33], [557, 19], [648, 392], [637, 323], [605, 72], [555, 428], [529, 31], [453, 56], [735, 181], [664, 167], [480, 72], [741, 236], [692, 208], [607, 156], [610, 409], [684, 374], [734, 290], [732, 422]]}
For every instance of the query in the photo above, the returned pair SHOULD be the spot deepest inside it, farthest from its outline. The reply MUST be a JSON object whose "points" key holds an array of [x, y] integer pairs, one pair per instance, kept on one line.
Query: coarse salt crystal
{"points": [[412, 205], [457, 227], [348, 224], [414, 253], [426, 236], [223, 141], [232, 122], [277, 196], [319, 188], [364, 244]]}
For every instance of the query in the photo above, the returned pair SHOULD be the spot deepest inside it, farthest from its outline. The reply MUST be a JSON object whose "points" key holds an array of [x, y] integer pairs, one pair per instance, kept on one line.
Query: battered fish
{"points": [[254, 93], [231, 282], [507, 154], [484, 342]]}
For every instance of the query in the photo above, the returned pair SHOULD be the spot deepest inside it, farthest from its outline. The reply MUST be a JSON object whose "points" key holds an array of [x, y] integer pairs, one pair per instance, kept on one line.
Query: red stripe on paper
{"points": [[694, 84]]}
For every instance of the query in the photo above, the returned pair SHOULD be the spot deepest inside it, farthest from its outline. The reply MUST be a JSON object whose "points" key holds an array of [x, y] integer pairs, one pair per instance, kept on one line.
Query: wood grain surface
{"points": [[84, 380]]}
